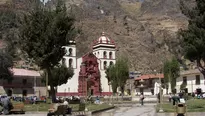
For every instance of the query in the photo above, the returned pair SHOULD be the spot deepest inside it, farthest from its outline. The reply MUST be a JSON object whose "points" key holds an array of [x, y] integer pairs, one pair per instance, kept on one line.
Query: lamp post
{"points": [[160, 93]]}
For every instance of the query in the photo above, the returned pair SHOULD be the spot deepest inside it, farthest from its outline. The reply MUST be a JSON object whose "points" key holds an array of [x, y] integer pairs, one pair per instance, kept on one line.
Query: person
{"points": [[7, 105], [193, 95], [97, 100], [170, 97], [53, 109], [142, 99], [65, 102], [158, 96], [175, 99]]}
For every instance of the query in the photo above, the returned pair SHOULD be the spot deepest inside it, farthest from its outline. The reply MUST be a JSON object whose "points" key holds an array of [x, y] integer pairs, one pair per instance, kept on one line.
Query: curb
{"points": [[98, 111]]}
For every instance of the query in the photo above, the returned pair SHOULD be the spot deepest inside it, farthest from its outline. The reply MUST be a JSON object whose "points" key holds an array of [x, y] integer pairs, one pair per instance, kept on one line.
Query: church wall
{"points": [[72, 84], [104, 82]]}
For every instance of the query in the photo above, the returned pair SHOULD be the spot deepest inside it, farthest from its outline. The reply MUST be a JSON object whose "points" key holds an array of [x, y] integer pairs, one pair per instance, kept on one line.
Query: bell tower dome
{"points": [[104, 50]]}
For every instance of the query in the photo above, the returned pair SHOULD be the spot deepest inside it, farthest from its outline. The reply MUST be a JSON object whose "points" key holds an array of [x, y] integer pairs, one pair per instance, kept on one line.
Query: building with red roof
{"points": [[149, 84], [25, 83]]}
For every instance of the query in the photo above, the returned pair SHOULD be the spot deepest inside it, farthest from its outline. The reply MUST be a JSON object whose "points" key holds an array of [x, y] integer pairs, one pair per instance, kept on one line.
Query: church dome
{"points": [[103, 39]]}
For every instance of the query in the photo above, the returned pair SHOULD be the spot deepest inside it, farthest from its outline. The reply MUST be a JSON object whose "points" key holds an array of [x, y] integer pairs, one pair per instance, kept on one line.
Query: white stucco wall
{"points": [[191, 82], [104, 82], [72, 84]]}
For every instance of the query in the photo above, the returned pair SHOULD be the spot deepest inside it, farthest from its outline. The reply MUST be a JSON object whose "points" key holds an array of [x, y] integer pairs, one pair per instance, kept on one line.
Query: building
{"points": [[24, 83], [190, 81], [89, 70], [149, 84], [130, 83]]}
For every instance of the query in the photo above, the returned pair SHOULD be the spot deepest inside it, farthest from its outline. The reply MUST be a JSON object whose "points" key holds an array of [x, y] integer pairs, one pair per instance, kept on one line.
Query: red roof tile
{"points": [[150, 76]]}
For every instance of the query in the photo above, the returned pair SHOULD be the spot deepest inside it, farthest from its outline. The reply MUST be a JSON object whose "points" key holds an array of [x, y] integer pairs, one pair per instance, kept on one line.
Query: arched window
{"points": [[104, 54], [111, 63], [70, 63], [105, 64], [110, 55], [64, 61], [70, 52]]}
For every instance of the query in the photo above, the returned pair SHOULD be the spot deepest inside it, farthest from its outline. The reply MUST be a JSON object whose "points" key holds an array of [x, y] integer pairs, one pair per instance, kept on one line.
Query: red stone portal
{"points": [[89, 76]]}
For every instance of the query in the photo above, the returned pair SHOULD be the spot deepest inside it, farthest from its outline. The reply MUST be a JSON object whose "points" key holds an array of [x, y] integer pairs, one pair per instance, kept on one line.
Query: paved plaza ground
{"points": [[135, 110]]}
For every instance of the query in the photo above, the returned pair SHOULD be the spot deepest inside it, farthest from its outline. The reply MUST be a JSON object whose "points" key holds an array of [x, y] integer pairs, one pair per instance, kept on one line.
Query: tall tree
{"points": [[6, 65], [171, 72], [118, 74], [60, 75], [43, 34], [112, 79], [122, 72], [194, 36]]}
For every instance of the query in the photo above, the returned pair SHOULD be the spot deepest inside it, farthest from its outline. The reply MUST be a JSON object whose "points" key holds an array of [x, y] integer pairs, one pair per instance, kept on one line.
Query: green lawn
{"points": [[194, 105], [75, 107]]}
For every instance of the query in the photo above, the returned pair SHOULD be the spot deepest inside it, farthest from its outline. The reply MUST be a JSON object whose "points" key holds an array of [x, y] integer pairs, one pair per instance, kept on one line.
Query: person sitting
{"points": [[7, 105], [52, 110], [65, 102], [97, 100]]}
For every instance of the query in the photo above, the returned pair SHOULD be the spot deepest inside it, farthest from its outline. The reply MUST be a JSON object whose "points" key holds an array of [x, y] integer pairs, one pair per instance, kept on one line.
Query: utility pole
{"points": [[47, 95], [160, 88]]}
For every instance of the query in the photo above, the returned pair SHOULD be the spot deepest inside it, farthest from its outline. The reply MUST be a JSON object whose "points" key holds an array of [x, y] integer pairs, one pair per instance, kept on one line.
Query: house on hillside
{"points": [[24, 83], [190, 81]]}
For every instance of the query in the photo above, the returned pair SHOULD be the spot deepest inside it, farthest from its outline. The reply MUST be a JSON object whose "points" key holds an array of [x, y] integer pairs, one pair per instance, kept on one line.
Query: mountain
{"points": [[144, 30]]}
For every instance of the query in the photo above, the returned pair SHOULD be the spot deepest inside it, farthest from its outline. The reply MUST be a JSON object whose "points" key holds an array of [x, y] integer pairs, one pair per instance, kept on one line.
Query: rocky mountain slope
{"points": [[144, 30]]}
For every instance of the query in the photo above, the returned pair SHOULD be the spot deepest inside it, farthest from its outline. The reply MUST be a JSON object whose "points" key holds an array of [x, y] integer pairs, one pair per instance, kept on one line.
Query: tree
{"points": [[43, 33], [122, 72], [6, 64], [111, 76], [193, 38], [171, 72], [60, 75], [118, 74]]}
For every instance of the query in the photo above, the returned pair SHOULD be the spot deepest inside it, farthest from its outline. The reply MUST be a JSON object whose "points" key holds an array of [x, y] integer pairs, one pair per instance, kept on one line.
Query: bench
{"points": [[18, 109], [61, 110]]}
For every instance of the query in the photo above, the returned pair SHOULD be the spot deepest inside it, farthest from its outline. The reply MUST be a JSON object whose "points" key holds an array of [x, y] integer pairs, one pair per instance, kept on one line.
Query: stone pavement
{"points": [[135, 110]]}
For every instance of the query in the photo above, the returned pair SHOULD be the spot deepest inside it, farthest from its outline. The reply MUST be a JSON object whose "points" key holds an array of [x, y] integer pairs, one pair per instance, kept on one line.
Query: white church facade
{"points": [[104, 49]]}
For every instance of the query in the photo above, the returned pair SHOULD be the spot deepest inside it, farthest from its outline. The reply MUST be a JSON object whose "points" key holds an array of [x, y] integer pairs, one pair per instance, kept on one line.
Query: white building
{"points": [[103, 49], [149, 84], [190, 81]]}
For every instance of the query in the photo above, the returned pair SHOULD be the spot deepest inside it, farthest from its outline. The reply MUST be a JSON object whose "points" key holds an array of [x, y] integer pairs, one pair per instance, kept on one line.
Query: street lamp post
{"points": [[160, 93], [160, 98]]}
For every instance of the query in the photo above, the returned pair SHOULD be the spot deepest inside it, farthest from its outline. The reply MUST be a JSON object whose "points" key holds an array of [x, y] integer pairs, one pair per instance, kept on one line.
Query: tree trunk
{"points": [[122, 91], [53, 93]]}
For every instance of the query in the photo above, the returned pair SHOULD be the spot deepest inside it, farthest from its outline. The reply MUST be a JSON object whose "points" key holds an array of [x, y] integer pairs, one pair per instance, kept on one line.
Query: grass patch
{"points": [[193, 105], [75, 107]]}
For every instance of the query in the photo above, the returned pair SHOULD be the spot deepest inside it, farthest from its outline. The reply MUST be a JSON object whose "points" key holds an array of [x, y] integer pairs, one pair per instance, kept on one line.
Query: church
{"points": [[89, 70]]}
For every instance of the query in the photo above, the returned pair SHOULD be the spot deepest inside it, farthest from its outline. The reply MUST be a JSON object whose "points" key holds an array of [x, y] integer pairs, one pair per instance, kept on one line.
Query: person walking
{"points": [[142, 99]]}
